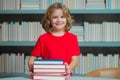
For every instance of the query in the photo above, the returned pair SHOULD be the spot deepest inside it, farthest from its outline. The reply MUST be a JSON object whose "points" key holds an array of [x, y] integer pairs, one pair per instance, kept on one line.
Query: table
{"points": [[88, 78], [70, 78]]}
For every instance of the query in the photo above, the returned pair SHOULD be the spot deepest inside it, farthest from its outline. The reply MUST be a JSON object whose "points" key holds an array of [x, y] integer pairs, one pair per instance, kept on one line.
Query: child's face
{"points": [[58, 20]]}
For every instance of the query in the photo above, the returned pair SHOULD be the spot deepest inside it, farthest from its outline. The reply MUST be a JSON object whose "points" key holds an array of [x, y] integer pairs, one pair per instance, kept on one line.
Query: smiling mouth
{"points": [[59, 23]]}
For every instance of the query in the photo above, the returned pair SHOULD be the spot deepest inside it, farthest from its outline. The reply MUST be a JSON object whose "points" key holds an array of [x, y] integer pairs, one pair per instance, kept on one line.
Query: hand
{"points": [[30, 65], [67, 70], [30, 72]]}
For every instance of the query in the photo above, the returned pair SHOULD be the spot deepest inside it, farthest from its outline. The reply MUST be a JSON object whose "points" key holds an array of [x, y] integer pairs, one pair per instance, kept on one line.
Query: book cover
{"points": [[42, 70], [40, 61], [49, 77], [48, 66], [50, 73]]}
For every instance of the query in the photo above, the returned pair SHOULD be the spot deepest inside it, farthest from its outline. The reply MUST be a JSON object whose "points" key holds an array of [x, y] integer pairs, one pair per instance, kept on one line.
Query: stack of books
{"points": [[48, 70]]}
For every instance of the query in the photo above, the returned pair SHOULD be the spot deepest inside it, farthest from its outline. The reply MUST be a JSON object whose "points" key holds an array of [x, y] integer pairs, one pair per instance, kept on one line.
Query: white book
{"points": [[59, 70], [49, 77], [48, 66]]}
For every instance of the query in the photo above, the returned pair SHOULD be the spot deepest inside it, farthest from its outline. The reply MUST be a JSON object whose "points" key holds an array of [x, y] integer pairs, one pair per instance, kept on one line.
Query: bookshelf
{"points": [[79, 15]]}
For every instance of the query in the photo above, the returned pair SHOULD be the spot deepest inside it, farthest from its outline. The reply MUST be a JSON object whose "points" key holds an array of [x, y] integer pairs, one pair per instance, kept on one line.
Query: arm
{"points": [[75, 52], [30, 64], [72, 65]]}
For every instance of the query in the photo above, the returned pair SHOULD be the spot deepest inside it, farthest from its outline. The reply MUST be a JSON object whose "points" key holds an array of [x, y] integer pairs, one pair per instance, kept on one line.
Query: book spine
{"points": [[48, 66]]}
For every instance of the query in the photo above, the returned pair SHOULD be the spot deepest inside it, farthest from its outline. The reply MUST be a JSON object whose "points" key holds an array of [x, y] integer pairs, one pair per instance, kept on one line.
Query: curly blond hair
{"points": [[46, 24]]}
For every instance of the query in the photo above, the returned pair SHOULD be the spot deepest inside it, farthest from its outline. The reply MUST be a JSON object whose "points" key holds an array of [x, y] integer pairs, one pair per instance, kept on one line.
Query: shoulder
{"points": [[71, 35], [44, 36]]}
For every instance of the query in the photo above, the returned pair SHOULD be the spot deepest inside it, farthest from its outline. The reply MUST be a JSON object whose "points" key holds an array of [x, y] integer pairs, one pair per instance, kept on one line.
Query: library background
{"points": [[97, 26]]}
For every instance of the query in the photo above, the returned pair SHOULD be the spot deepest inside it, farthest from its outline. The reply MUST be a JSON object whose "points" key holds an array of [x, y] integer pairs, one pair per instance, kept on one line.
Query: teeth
{"points": [[59, 23]]}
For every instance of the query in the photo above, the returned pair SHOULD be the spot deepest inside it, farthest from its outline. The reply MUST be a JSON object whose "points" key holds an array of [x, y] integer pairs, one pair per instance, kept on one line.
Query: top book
{"points": [[41, 61]]}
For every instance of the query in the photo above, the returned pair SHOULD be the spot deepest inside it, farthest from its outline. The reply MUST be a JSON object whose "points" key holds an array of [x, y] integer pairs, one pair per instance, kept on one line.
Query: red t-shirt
{"points": [[63, 47]]}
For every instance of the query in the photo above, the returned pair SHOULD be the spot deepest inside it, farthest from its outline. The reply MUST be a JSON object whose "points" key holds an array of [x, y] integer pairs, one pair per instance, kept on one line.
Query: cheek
{"points": [[53, 21], [65, 21]]}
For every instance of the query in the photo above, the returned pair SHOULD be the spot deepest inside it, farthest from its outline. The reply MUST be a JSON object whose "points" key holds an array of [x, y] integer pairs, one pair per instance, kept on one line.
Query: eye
{"points": [[54, 17], [62, 16]]}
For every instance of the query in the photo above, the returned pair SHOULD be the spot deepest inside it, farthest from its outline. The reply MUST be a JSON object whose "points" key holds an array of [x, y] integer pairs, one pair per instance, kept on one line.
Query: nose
{"points": [[58, 19]]}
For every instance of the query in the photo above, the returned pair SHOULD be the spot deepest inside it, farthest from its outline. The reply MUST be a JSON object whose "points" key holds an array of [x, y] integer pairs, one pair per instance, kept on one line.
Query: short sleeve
{"points": [[37, 49], [75, 47]]}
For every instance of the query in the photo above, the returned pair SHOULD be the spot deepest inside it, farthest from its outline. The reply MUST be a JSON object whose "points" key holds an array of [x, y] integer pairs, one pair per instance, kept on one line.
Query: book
{"points": [[49, 77], [50, 74], [42, 70], [49, 69], [48, 66], [40, 61]]}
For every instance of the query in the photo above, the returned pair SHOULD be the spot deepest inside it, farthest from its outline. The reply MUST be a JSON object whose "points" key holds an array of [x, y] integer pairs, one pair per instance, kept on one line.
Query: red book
{"points": [[49, 74]]}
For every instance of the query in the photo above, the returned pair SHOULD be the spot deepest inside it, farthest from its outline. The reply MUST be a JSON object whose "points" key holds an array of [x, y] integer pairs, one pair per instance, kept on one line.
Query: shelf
{"points": [[86, 47], [9, 75], [17, 43], [32, 43], [82, 15], [22, 11], [81, 11], [98, 11], [98, 44]]}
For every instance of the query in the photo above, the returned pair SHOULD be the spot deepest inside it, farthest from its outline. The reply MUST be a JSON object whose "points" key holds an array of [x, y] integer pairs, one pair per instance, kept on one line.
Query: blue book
{"points": [[48, 61]]}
